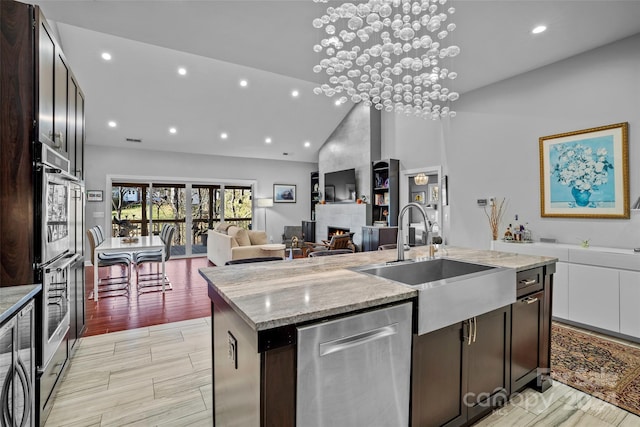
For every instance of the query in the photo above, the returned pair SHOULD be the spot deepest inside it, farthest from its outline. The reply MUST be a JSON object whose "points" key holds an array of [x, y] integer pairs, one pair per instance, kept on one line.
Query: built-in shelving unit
{"points": [[385, 184], [315, 193]]}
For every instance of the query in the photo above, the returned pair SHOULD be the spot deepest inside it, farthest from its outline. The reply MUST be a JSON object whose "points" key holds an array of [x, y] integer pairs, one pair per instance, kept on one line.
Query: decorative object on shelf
{"points": [[419, 197], [315, 187], [585, 243], [363, 198], [433, 193], [94, 195], [495, 215], [284, 193], [391, 55], [421, 179], [585, 174]]}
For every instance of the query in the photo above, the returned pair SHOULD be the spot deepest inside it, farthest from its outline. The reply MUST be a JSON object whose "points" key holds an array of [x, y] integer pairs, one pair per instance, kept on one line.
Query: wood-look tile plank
{"points": [[181, 384], [151, 412], [198, 419], [508, 416], [631, 420]]}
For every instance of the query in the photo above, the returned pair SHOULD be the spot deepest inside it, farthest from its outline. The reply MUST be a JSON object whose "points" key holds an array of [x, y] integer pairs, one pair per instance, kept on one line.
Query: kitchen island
{"points": [[257, 308]]}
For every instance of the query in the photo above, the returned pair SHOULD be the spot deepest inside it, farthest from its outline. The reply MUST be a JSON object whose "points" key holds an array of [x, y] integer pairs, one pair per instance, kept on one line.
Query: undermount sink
{"points": [[450, 291]]}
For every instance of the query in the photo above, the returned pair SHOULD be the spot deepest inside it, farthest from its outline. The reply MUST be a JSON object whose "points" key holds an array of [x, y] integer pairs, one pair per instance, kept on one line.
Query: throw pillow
{"points": [[258, 237], [223, 227], [240, 234]]}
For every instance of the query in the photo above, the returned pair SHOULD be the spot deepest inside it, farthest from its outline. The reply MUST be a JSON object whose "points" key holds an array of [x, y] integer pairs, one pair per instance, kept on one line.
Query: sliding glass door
{"points": [[143, 208]]}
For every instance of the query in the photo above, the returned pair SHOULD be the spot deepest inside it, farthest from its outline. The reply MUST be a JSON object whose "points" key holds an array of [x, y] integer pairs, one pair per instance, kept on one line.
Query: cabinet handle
{"points": [[475, 329], [528, 282], [530, 300]]}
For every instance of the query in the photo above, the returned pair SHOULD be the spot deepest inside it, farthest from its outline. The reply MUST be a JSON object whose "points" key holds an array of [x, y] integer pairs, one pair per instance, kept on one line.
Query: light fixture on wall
{"points": [[421, 179], [388, 53], [264, 203]]}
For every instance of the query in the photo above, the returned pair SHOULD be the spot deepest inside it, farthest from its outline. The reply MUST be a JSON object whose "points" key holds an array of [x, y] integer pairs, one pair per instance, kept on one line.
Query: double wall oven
{"points": [[55, 261]]}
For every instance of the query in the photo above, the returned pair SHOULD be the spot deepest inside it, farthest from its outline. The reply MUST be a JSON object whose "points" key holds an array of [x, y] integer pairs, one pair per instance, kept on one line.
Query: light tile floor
{"points": [[161, 376]]}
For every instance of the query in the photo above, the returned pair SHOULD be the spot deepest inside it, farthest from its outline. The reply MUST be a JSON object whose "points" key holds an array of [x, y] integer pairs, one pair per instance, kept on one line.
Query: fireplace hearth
{"points": [[333, 230]]}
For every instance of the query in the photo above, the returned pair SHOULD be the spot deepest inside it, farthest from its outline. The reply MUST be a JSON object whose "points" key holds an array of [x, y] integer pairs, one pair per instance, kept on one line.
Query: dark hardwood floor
{"points": [[187, 300]]}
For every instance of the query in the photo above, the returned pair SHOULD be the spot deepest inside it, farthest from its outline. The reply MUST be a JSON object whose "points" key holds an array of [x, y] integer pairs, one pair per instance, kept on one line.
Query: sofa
{"points": [[228, 242]]}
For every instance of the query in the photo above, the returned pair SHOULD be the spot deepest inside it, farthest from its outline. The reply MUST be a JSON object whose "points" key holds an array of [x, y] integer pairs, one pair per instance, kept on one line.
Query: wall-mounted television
{"points": [[340, 186]]}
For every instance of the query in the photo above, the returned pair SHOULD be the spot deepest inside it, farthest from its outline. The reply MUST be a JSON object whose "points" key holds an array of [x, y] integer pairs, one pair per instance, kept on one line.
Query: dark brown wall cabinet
{"points": [[386, 191]]}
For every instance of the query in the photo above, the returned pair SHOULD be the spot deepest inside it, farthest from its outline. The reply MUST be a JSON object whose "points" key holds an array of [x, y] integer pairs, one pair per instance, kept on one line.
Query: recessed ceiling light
{"points": [[338, 102], [243, 83], [539, 29], [267, 140], [182, 71], [112, 124], [173, 130], [224, 135], [295, 93], [106, 56], [307, 144]]}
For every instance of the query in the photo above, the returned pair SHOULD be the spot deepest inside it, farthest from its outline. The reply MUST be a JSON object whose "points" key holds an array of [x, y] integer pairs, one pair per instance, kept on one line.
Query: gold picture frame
{"points": [[585, 173]]}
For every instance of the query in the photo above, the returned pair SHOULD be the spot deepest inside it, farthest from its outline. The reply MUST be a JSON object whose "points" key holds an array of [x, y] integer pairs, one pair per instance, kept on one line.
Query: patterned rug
{"points": [[602, 368]]}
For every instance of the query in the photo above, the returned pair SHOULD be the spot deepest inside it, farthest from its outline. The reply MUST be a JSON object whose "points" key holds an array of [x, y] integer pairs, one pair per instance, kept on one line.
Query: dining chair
{"points": [[153, 281], [110, 286]]}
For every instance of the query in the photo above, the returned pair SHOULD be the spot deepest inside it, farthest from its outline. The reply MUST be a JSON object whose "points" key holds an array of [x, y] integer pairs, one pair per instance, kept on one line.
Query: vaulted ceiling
{"points": [[269, 44]]}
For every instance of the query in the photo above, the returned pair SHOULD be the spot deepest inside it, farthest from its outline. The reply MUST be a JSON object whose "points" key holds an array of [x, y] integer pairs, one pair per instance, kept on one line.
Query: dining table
{"points": [[125, 244]]}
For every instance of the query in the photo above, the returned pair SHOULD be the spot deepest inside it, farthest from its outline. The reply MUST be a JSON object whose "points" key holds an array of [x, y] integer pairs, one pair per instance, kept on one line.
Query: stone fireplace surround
{"points": [[352, 216]]}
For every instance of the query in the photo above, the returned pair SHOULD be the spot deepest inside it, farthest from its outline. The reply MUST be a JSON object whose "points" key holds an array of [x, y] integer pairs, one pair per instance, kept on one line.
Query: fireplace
{"points": [[333, 230]]}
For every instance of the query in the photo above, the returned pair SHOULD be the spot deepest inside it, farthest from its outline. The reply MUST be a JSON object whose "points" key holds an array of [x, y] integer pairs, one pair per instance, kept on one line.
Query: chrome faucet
{"points": [[427, 227]]}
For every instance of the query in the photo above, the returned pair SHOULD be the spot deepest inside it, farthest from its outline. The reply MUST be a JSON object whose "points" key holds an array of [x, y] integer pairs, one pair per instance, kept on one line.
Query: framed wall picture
{"points": [[585, 173], [284, 193], [94, 195], [419, 197], [433, 193]]}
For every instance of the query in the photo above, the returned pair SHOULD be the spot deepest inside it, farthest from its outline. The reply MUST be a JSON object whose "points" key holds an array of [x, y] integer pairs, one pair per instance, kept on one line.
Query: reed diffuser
{"points": [[495, 216]]}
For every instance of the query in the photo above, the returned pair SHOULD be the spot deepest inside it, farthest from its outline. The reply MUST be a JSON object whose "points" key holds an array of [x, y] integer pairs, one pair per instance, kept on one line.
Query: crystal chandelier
{"points": [[387, 53], [421, 179]]}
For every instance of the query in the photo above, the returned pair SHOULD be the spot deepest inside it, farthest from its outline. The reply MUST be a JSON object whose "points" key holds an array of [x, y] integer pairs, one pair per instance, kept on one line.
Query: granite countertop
{"points": [[12, 298], [280, 293]]}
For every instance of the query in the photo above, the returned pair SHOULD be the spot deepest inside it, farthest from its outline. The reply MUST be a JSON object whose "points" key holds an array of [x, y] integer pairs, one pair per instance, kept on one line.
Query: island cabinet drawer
{"points": [[529, 281]]}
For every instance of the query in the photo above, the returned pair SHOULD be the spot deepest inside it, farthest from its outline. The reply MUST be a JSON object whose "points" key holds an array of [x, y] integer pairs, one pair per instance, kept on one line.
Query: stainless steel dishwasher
{"points": [[354, 371]]}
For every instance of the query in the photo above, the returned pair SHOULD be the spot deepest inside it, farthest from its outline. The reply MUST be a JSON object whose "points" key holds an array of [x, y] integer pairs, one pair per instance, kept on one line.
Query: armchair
{"points": [[337, 242], [289, 232]]}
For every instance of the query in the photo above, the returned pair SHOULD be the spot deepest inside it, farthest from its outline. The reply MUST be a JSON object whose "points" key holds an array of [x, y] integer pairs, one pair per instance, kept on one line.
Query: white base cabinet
{"points": [[594, 296], [597, 287], [630, 303], [560, 298]]}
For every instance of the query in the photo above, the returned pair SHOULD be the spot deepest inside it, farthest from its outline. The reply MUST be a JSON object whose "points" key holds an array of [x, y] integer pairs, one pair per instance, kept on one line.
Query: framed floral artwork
{"points": [[585, 173]]}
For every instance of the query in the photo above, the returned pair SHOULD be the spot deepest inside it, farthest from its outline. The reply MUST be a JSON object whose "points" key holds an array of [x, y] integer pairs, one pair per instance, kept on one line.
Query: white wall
{"points": [[491, 148], [102, 161]]}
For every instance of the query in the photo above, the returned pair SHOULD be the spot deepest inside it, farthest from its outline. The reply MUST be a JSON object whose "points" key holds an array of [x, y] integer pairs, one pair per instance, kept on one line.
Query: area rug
{"points": [[603, 368]]}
